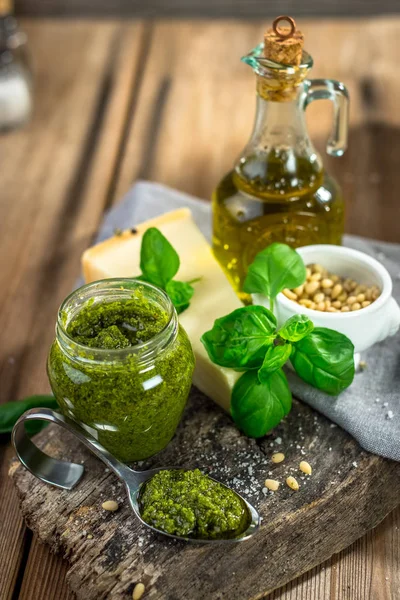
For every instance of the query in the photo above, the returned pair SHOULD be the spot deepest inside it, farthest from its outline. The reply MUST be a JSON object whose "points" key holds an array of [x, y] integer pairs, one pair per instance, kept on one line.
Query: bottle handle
{"points": [[329, 89]]}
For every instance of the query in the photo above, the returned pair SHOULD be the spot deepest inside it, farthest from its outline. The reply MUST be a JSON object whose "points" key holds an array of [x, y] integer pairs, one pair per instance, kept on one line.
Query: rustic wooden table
{"points": [[171, 102]]}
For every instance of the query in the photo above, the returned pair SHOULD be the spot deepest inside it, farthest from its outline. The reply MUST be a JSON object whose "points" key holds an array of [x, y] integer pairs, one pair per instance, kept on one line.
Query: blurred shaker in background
{"points": [[15, 71]]}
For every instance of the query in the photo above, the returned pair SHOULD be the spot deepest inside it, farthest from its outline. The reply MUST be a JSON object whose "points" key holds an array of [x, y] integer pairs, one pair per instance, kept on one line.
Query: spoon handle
{"points": [[59, 473]]}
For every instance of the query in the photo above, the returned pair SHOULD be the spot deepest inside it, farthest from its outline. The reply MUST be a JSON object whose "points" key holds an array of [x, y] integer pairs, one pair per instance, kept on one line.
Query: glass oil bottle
{"points": [[278, 190]]}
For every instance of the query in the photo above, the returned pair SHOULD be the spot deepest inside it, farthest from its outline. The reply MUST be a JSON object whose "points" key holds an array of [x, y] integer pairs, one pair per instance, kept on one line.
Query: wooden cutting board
{"points": [[349, 492]]}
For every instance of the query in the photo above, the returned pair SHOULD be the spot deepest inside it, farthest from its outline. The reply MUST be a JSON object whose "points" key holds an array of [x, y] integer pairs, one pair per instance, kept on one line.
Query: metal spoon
{"points": [[66, 475]]}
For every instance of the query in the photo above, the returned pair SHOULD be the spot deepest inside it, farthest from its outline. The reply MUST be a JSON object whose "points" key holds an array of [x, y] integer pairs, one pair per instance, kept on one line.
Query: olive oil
{"points": [[276, 197], [278, 190]]}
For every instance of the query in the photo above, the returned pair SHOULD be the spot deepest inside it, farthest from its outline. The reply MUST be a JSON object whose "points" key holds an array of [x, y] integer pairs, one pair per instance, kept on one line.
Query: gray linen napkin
{"points": [[370, 409]]}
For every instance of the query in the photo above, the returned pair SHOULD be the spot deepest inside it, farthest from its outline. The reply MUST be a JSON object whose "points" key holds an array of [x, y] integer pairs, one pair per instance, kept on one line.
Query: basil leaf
{"points": [[239, 340], [275, 358], [159, 261], [180, 294], [10, 412], [296, 328], [274, 269], [325, 359], [258, 407]]}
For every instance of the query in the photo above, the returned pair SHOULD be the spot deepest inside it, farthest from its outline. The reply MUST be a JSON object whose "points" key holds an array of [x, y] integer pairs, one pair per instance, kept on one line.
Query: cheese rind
{"points": [[119, 256]]}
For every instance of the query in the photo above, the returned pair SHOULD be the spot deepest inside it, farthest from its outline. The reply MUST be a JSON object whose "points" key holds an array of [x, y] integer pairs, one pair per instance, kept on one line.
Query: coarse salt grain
{"points": [[390, 414]]}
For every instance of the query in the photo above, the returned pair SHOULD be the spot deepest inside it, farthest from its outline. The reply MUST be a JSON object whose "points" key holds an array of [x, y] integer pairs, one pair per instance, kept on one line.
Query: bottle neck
{"points": [[279, 156]]}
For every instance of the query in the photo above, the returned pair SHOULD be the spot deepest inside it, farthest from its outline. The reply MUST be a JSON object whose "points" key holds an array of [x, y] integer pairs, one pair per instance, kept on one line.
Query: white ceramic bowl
{"points": [[364, 327]]}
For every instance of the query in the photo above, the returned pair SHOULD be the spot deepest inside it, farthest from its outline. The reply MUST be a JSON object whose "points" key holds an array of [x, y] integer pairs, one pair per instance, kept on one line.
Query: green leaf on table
{"points": [[258, 407], [275, 358], [240, 339], [296, 328], [275, 268], [10, 412], [159, 261], [180, 294], [325, 360]]}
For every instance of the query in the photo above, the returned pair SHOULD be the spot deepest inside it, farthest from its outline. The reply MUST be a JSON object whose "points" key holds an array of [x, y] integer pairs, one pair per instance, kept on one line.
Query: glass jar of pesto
{"points": [[121, 365]]}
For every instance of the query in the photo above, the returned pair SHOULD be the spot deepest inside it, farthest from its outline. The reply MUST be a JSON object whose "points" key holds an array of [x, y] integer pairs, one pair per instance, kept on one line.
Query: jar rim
{"points": [[126, 284]]}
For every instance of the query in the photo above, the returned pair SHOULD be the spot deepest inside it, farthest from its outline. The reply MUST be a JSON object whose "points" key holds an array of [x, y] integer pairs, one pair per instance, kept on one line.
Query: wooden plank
{"points": [[14, 537], [67, 157], [44, 576], [349, 492], [205, 8]]}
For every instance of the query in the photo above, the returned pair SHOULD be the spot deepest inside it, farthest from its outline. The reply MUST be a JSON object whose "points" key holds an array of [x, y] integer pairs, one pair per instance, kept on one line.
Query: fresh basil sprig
{"points": [[296, 328], [275, 268], [275, 358], [325, 359], [258, 407], [10, 412], [159, 263], [239, 340], [248, 340]]}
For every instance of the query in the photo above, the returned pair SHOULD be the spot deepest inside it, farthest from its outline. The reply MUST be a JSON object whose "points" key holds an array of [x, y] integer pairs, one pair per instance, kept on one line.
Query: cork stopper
{"points": [[6, 7], [284, 44]]}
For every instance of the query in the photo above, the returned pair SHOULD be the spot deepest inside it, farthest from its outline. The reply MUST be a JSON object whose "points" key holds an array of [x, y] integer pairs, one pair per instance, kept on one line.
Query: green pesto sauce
{"points": [[118, 324], [190, 504], [134, 408]]}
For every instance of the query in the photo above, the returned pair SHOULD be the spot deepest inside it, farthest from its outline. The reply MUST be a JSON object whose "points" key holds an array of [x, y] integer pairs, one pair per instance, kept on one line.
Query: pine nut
{"points": [[320, 297], [289, 294], [299, 290], [360, 289], [305, 467], [327, 283], [325, 291], [271, 484], [110, 505], [311, 287], [138, 591], [318, 268], [337, 289], [278, 457], [292, 483], [316, 277], [305, 302]]}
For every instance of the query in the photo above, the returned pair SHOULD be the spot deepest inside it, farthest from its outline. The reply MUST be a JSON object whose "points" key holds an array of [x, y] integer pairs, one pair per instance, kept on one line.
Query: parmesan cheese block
{"points": [[213, 298]]}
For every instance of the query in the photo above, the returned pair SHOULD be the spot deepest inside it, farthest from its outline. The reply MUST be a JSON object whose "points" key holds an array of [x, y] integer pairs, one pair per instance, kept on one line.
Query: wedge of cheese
{"points": [[213, 298]]}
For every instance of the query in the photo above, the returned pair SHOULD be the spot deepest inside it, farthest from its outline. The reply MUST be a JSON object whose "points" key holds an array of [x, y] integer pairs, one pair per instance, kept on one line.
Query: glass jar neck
{"points": [[111, 290], [280, 126]]}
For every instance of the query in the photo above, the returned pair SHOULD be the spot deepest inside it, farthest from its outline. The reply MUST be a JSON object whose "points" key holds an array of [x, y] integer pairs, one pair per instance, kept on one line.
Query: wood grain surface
{"points": [[349, 492], [170, 102], [205, 8]]}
